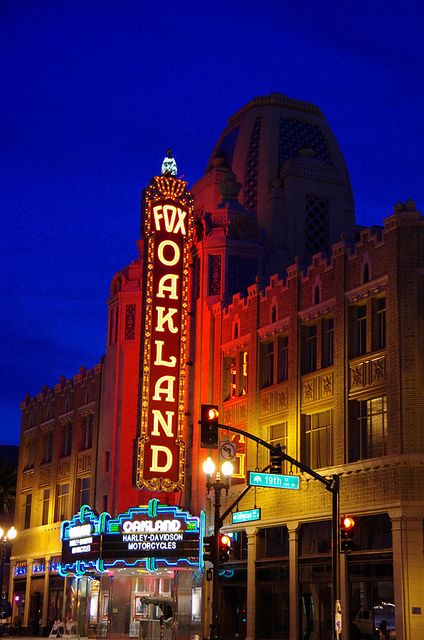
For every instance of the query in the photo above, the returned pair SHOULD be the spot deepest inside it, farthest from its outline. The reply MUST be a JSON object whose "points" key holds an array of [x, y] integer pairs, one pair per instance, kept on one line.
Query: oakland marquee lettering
{"points": [[168, 231]]}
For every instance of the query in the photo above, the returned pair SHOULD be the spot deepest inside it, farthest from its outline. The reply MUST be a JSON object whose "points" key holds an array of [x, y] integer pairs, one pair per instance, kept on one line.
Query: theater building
{"points": [[264, 297]]}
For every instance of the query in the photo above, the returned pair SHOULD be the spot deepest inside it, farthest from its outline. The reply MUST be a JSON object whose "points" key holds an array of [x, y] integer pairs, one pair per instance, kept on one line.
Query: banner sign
{"points": [[149, 536], [168, 229]]}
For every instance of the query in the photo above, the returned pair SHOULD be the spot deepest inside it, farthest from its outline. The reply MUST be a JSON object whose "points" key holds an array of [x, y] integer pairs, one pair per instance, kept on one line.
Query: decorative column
{"points": [[45, 611], [251, 583], [293, 528], [408, 571], [27, 592], [11, 588], [344, 593]]}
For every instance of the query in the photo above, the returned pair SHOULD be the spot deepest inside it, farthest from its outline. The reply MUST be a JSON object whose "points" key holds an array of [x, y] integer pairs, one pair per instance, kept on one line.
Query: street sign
{"points": [[245, 516], [227, 450], [273, 480]]}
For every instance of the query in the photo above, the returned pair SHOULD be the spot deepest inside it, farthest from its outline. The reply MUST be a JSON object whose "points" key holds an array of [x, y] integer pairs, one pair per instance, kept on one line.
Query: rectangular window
{"points": [[82, 494], [368, 429], [378, 324], [282, 358], [107, 461], [243, 369], [111, 316], [309, 349], [30, 449], [87, 431], [277, 435], [230, 378], [45, 506], [266, 364], [27, 510], [359, 331], [47, 447], [62, 499], [235, 371], [116, 324], [66, 444], [317, 442], [327, 342]]}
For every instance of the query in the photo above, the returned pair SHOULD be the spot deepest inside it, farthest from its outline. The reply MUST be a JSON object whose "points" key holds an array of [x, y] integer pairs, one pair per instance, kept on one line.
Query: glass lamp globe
{"points": [[12, 533], [209, 466], [227, 468]]}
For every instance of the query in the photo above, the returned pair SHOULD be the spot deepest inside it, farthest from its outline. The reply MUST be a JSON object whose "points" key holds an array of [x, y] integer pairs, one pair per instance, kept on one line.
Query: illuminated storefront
{"points": [[136, 574]]}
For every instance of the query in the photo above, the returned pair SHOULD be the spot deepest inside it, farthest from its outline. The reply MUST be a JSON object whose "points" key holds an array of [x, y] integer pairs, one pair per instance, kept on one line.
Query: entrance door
{"points": [[35, 612], [233, 612], [372, 609]]}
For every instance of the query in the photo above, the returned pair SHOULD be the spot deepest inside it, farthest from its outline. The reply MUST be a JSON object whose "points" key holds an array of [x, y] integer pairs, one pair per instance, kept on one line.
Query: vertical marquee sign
{"points": [[168, 228]]}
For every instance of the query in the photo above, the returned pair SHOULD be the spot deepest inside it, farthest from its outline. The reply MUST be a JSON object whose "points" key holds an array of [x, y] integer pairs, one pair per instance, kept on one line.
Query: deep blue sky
{"points": [[93, 92]]}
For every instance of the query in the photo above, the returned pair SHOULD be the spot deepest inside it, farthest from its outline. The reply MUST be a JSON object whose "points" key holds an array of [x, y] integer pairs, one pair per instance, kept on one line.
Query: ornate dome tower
{"points": [[292, 173]]}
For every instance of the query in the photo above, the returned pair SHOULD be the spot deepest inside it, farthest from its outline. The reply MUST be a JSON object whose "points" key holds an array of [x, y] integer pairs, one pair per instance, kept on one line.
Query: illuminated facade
{"points": [[324, 358], [56, 474], [304, 329]]}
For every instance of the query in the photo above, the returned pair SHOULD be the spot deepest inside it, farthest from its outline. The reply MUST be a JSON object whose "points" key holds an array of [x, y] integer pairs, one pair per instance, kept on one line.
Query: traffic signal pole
{"points": [[215, 576], [332, 485]]}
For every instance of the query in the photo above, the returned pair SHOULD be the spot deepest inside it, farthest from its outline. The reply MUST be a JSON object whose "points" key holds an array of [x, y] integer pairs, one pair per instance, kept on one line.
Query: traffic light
{"points": [[209, 548], [209, 416], [347, 527], [224, 547], [275, 460]]}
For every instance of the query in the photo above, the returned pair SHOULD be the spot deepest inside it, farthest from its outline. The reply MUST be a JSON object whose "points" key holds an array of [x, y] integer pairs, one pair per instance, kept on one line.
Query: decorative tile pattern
{"points": [[235, 413], [214, 288], [295, 135], [251, 175], [273, 401], [368, 373], [317, 387], [64, 468], [84, 461], [316, 224], [130, 322]]}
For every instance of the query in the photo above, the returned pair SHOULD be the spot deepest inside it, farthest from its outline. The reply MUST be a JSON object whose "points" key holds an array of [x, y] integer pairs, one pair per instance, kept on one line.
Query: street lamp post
{"points": [[217, 485], [5, 543]]}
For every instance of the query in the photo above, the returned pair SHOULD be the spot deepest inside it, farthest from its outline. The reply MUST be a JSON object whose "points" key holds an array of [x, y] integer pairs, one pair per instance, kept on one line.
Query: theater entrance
{"points": [[133, 603]]}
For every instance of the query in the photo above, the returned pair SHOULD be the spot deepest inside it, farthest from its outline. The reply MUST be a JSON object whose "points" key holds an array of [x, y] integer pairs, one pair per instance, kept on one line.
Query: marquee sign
{"points": [[81, 540], [168, 228], [153, 535], [147, 536]]}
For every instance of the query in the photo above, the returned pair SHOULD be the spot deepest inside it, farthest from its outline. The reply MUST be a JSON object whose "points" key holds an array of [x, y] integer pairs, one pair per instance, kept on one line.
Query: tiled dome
{"points": [[275, 143]]}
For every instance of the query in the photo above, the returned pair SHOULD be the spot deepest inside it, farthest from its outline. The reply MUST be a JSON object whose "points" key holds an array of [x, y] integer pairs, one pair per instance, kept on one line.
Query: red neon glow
{"points": [[168, 230]]}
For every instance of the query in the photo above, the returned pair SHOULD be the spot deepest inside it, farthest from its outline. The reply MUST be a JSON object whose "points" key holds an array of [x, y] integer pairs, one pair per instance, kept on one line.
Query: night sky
{"points": [[92, 93]]}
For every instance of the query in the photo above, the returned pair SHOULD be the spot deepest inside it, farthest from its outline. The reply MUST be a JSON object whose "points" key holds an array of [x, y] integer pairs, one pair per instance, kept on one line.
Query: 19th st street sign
{"points": [[273, 480]]}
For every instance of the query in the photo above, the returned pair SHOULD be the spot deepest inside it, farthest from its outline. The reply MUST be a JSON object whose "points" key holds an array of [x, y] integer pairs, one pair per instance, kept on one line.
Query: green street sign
{"points": [[245, 516], [273, 480]]}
